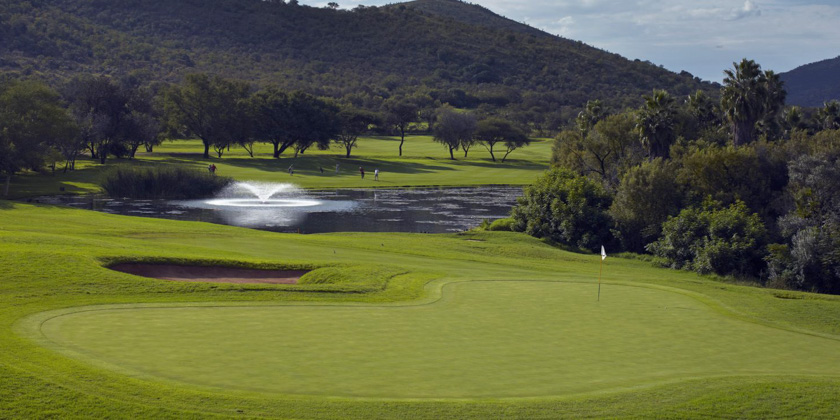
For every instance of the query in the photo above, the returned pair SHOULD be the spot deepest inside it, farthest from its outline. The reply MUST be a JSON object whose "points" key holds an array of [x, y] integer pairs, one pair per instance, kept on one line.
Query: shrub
{"points": [[566, 208], [713, 239], [504, 225], [167, 182]]}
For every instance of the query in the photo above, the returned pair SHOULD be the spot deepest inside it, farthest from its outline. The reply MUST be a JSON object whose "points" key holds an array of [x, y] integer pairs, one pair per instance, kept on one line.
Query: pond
{"points": [[421, 210]]}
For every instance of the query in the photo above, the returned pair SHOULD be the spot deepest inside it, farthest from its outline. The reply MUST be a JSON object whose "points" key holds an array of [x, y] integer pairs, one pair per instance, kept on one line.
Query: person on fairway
{"points": [[376, 174], [362, 171]]}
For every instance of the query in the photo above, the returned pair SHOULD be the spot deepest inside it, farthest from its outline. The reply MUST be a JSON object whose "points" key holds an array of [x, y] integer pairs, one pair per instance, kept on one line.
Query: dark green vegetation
{"points": [[162, 182], [54, 261], [441, 51], [813, 84], [742, 187]]}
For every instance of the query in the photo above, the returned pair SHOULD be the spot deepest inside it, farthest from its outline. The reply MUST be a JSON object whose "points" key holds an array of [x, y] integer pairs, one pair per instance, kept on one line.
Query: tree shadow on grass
{"points": [[314, 164]]}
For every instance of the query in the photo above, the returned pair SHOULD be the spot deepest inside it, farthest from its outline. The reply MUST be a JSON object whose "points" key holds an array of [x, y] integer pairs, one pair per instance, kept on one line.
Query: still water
{"points": [[431, 210]]}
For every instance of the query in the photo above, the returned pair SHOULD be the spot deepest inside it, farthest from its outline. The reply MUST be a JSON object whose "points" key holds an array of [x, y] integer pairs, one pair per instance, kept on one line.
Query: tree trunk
{"points": [[742, 132], [467, 150], [276, 149], [492, 156], [206, 149], [8, 183], [349, 148], [451, 154], [506, 155], [402, 140], [103, 154], [283, 148]]}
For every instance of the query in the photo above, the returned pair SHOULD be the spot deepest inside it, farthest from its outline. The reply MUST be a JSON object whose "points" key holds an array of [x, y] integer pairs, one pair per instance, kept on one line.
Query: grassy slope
{"points": [[423, 163], [52, 260]]}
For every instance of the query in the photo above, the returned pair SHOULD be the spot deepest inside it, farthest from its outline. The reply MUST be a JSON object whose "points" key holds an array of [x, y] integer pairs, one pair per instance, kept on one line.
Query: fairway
{"points": [[424, 163], [480, 340]]}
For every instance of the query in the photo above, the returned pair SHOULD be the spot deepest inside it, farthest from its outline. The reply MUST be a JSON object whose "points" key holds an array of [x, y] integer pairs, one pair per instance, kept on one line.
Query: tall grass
{"points": [[161, 182]]}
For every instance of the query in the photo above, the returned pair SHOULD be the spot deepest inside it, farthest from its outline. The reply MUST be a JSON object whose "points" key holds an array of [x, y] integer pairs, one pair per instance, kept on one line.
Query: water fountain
{"points": [[264, 205], [262, 195]]}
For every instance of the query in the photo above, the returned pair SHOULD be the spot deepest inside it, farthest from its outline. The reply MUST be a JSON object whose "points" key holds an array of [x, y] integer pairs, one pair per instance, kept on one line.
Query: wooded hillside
{"points": [[454, 52]]}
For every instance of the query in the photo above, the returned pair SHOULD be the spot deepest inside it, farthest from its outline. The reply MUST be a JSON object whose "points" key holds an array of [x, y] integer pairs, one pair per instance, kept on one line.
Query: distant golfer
{"points": [[292, 170], [362, 171], [321, 168], [336, 168], [376, 174]]}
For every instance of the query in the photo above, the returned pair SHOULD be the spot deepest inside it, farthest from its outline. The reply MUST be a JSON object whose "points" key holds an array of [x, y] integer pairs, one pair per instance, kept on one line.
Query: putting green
{"points": [[481, 339]]}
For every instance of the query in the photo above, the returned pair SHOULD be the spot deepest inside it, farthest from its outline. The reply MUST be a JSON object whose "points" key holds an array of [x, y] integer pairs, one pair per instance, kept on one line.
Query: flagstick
{"points": [[600, 270]]}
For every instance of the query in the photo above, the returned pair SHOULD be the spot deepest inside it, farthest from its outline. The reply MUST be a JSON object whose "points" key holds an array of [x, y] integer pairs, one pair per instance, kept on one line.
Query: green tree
{"points": [[566, 208], [755, 174], [100, 107], [609, 149], [492, 131], [454, 129], [647, 196], [271, 118], [31, 120], [313, 122], [655, 123], [207, 107], [354, 122], [400, 113]]}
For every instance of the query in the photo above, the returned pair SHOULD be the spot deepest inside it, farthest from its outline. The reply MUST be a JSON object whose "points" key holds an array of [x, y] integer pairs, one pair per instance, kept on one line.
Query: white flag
{"points": [[603, 253]]}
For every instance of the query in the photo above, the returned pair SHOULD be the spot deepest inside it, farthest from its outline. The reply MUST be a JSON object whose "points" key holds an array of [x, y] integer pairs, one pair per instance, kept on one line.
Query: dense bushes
{"points": [[170, 182], [713, 239], [810, 257], [647, 195], [566, 208]]}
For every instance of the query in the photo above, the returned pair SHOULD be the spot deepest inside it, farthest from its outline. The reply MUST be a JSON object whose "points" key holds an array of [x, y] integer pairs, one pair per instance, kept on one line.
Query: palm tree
{"points": [[590, 115], [828, 117], [655, 123], [750, 96]]}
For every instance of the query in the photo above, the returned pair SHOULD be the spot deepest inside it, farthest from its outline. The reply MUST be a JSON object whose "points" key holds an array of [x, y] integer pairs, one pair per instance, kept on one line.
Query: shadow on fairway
{"points": [[312, 165]]}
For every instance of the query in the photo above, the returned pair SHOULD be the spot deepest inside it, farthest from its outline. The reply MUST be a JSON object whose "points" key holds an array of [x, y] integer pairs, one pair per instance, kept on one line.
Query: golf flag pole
{"points": [[601, 270]]}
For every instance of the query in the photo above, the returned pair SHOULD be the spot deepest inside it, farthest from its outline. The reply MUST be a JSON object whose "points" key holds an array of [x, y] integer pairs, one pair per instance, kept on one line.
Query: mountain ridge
{"points": [[813, 84]]}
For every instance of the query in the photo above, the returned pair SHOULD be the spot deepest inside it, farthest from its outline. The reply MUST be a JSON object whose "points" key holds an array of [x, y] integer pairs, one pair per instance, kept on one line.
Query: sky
{"points": [[702, 37]]}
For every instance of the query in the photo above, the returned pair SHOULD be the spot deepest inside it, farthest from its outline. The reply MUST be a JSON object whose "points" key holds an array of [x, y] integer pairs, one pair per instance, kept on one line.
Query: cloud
{"points": [[749, 10]]}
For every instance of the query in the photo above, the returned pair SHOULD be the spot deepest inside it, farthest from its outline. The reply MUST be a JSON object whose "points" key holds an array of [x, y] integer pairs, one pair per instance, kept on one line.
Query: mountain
{"points": [[472, 14], [813, 84], [445, 50]]}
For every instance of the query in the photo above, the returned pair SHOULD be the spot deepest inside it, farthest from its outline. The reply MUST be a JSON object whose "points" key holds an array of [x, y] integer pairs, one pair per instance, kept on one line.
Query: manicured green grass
{"points": [[424, 163], [415, 326]]}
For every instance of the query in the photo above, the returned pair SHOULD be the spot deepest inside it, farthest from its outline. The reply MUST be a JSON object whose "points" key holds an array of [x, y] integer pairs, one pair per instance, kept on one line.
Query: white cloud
{"points": [[749, 10]]}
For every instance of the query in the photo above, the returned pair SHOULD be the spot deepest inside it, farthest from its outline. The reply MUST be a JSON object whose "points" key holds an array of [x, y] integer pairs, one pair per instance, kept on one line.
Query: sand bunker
{"points": [[210, 274]]}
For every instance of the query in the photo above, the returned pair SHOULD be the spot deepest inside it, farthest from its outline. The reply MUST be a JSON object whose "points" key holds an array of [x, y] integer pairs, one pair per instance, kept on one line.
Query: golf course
{"points": [[470, 325]]}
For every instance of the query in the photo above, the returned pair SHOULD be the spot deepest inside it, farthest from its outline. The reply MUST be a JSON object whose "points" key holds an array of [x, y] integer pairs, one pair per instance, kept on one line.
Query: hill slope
{"points": [[813, 84], [452, 51], [472, 14]]}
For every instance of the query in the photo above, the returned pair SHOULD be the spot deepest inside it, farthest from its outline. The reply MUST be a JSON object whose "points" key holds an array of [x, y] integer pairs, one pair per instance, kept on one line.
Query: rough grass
{"points": [[53, 260], [161, 182]]}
